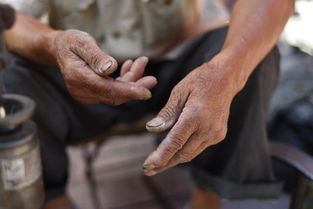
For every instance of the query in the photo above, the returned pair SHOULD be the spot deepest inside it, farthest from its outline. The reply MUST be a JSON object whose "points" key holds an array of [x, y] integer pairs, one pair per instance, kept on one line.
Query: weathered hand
{"points": [[85, 68], [196, 114]]}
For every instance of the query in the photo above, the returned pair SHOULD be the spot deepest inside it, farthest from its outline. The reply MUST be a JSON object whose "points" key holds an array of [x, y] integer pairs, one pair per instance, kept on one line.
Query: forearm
{"points": [[32, 39], [254, 29]]}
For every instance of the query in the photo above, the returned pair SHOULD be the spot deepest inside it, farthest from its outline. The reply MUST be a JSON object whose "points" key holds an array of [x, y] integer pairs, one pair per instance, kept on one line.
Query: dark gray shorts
{"points": [[238, 167]]}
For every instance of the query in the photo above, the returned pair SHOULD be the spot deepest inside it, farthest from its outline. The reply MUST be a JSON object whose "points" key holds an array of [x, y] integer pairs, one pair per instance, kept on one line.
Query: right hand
{"points": [[85, 68]]}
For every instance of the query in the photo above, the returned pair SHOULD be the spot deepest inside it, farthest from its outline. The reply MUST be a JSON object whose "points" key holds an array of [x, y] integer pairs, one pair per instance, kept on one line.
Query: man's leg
{"points": [[61, 120], [238, 167]]}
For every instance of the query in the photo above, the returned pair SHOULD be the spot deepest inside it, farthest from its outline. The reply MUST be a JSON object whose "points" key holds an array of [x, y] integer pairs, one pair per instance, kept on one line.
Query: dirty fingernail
{"points": [[156, 122], [148, 166], [106, 66]]}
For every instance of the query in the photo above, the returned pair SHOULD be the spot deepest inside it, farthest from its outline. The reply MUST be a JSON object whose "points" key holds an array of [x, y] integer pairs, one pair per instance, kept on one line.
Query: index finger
{"points": [[136, 70], [121, 92], [174, 141], [111, 91]]}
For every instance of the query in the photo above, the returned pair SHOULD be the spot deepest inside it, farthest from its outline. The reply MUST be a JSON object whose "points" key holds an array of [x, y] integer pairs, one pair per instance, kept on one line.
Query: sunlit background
{"points": [[119, 176]]}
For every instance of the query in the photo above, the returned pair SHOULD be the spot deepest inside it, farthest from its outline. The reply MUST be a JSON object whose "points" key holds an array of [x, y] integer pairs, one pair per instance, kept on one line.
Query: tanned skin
{"points": [[197, 111], [85, 67]]}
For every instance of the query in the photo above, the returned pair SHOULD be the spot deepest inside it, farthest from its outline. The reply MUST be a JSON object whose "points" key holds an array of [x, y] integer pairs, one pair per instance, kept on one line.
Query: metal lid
{"points": [[20, 136], [17, 109]]}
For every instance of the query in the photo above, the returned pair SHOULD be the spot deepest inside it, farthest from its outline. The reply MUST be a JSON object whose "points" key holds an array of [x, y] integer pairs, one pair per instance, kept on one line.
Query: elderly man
{"points": [[215, 82]]}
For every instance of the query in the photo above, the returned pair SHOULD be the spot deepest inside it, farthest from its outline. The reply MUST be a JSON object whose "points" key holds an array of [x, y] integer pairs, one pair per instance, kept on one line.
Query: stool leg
{"points": [[299, 193], [308, 202], [90, 153]]}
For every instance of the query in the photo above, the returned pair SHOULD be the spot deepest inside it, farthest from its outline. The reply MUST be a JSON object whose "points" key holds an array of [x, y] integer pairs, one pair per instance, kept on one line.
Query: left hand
{"points": [[196, 114]]}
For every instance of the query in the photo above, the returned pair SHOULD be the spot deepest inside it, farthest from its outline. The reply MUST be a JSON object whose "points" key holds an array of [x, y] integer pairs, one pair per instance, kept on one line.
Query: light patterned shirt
{"points": [[131, 28]]}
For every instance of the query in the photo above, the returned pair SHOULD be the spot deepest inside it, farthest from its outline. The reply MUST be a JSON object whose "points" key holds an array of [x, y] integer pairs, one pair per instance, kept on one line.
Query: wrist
{"points": [[45, 43], [233, 68]]}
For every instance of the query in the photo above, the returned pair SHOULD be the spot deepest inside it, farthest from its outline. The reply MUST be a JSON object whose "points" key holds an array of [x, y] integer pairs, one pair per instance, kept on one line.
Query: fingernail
{"points": [[144, 59], [156, 122], [148, 166], [106, 66], [150, 173]]}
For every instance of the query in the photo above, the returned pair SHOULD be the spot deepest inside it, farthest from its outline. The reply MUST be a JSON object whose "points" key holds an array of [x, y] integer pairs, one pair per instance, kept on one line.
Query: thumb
{"points": [[168, 116], [100, 62]]}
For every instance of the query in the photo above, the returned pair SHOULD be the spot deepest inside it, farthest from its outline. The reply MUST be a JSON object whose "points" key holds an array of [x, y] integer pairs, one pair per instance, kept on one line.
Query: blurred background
{"points": [[110, 176]]}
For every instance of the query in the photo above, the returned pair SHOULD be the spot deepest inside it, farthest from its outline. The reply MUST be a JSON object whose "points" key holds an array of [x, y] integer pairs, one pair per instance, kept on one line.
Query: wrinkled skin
{"points": [[195, 111], [85, 68], [198, 109], [196, 114]]}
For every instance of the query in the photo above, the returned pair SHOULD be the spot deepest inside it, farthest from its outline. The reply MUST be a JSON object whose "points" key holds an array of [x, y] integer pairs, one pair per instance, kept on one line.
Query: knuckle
{"points": [[218, 137], [174, 145], [221, 134], [184, 157], [178, 140], [217, 127], [192, 123], [167, 112], [201, 115], [213, 135], [169, 150]]}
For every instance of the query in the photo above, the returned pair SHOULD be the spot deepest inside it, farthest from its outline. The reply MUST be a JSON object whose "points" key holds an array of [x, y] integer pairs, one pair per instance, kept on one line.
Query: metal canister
{"points": [[21, 185]]}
